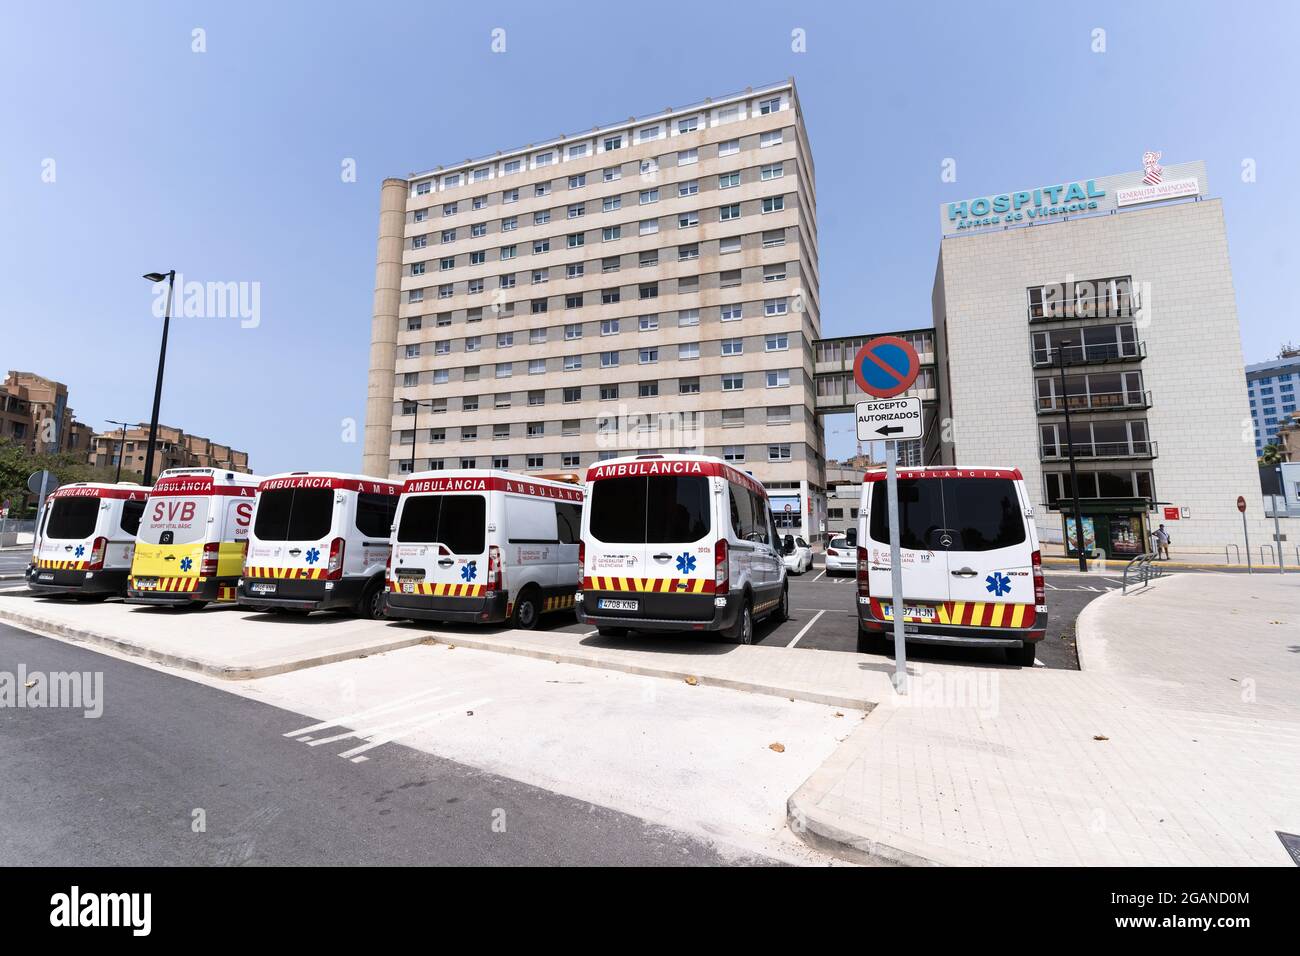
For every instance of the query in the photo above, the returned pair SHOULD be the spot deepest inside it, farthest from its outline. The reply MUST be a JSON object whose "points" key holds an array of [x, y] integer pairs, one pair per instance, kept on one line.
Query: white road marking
{"points": [[347, 718], [389, 738], [806, 628], [591, 633], [818, 578], [833, 610]]}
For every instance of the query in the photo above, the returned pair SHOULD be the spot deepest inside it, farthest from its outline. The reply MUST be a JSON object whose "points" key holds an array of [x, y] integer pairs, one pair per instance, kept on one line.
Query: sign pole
{"points": [[1277, 537], [895, 567], [1250, 568]]}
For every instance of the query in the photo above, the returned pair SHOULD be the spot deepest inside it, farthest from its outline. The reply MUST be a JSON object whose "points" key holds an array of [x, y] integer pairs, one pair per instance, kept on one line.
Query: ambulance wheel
{"points": [[373, 601], [1024, 654], [527, 610], [782, 612], [743, 630]]}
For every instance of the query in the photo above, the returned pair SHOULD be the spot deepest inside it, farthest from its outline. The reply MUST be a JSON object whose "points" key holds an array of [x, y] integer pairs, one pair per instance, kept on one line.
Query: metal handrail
{"points": [[1096, 401], [1269, 549], [1143, 567], [1088, 354], [1085, 307], [1228, 560], [1114, 449]]}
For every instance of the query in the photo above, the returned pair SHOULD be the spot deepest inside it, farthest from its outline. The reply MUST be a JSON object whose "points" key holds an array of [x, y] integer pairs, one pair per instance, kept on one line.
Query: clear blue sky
{"points": [[226, 164]]}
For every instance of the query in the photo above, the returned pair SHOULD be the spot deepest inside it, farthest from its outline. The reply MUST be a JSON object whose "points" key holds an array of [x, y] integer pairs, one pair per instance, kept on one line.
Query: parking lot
{"points": [[823, 617]]}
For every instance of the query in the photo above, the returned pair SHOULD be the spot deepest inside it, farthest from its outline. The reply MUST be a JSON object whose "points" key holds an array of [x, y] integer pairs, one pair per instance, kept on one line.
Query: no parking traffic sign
{"points": [[886, 366]]}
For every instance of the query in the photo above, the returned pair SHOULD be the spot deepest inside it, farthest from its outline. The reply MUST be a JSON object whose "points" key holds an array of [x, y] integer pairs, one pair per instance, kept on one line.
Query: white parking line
{"points": [[806, 628], [389, 738], [818, 578]]}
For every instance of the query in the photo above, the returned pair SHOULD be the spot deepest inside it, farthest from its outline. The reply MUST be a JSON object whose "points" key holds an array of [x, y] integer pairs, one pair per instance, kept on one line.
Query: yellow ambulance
{"points": [[192, 538]]}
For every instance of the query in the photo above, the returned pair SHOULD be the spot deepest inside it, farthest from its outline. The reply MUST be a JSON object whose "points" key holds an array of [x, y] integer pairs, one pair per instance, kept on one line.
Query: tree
{"points": [[1271, 455], [17, 463]]}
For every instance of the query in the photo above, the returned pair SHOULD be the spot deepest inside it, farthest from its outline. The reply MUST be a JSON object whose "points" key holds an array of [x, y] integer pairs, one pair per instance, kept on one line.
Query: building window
{"points": [[688, 351], [733, 453], [770, 138], [778, 378], [609, 327], [774, 307], [649, 196], [729, 180], [773, 203], [729, 147], [611, 233], [778, 452], [772, 171], [608, 359], [648, 323], [611, 203], [729, 212], [608, 393], [769, 106], [648, 390], [688, 124], [732, 313], [774, 273], [688, 386], [572, 394], [648, 356], [733, 346], [688, 317], [729, 244], [733, 382], [778, 414]]}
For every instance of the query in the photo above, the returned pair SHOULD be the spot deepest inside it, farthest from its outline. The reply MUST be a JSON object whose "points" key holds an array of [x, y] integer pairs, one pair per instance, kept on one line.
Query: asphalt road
{"points": [[124, 788], [14, 561]]}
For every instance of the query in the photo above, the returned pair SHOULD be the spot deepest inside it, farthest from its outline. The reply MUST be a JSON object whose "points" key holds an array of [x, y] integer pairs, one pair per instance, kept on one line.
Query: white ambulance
{"points": [[86, 539], [679, 543], [190, 547], [972, 570], [320, 541], [484, 546]]}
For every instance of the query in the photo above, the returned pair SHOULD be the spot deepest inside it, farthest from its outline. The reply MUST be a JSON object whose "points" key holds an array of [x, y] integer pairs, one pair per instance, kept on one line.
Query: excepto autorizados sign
{"points": [[891, 418]]}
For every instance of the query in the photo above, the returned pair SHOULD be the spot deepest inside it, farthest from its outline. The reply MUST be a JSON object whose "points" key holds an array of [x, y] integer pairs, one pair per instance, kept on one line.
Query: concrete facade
{"points": [[1184, 407], [647, 286]]}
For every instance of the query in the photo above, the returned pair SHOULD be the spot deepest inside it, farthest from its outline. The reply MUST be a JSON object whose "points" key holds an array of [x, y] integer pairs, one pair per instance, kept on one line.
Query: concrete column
{"points": [[383, 328]]}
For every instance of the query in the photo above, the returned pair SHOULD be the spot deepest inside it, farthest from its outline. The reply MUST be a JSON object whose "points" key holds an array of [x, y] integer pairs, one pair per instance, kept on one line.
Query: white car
{"points": [[482, 546], [797, 554], [841, 558], [972, 570], [320, 541], [678, 543]]}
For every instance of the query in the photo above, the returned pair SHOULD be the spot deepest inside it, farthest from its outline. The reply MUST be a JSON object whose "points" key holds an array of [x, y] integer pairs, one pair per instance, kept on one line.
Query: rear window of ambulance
{"points": [[981, 514], [458, 521], [72, 518], [650, 509], [294, 514]]}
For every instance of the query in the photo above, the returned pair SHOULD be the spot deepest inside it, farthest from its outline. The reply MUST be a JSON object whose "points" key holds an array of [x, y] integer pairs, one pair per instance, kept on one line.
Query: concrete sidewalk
{"points": [[1178, 744], [235, 644]]}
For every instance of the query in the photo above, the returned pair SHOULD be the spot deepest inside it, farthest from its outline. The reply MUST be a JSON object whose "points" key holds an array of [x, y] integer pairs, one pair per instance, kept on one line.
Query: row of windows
{"points": [[731, 381], [572, 427], [687, 252], [612, 203], [736, 454], [649, 257], [772, 342], [686, 318], [607, 143]]}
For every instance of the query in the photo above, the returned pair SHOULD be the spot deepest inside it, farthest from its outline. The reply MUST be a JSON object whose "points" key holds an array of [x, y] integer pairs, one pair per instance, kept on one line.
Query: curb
{"points": [[668, 673], [823, 830], [1088, 634], [224, 672]]}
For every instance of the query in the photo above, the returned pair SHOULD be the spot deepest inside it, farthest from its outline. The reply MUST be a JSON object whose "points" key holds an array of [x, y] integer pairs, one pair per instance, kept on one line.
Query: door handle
{"points": [[295, 551], [169, 557], [446, 562], [662, 557], [965, 573]]}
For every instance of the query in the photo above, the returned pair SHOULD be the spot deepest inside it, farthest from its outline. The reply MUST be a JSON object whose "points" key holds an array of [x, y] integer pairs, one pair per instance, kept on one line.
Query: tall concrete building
{"points": [[1272, 387], [646, 286], [1125, 279], [34, 413]]}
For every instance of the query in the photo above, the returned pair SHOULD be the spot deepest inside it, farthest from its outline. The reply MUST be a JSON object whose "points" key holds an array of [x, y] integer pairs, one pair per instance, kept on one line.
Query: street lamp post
{"points": [[155, 278], [121, 447], [1069, 450]]}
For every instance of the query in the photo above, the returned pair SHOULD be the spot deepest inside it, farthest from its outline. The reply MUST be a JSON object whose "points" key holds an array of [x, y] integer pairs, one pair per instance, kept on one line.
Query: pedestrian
{"points": [[1161, 539]]}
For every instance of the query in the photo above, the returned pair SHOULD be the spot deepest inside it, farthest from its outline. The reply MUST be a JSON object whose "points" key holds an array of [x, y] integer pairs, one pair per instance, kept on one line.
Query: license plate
{"points": [[146, 584], [408, 587], [925, 612], [45, 576], [262, 588], [614, 604]]}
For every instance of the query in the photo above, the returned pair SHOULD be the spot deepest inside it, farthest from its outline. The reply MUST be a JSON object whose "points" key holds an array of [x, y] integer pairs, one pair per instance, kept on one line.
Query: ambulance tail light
{"points": [[582, 558], [334, 569], [864, 573], [721, 570], [208, 566], [1040, 590], [388, 571], [97, 551], [494, 569]]}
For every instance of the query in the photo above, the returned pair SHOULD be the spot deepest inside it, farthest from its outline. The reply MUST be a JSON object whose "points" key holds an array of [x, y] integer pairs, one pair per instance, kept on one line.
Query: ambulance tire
{"points": [[528, 609], [373, 601], [782, 612], [1023, 655], [742, 632]]}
